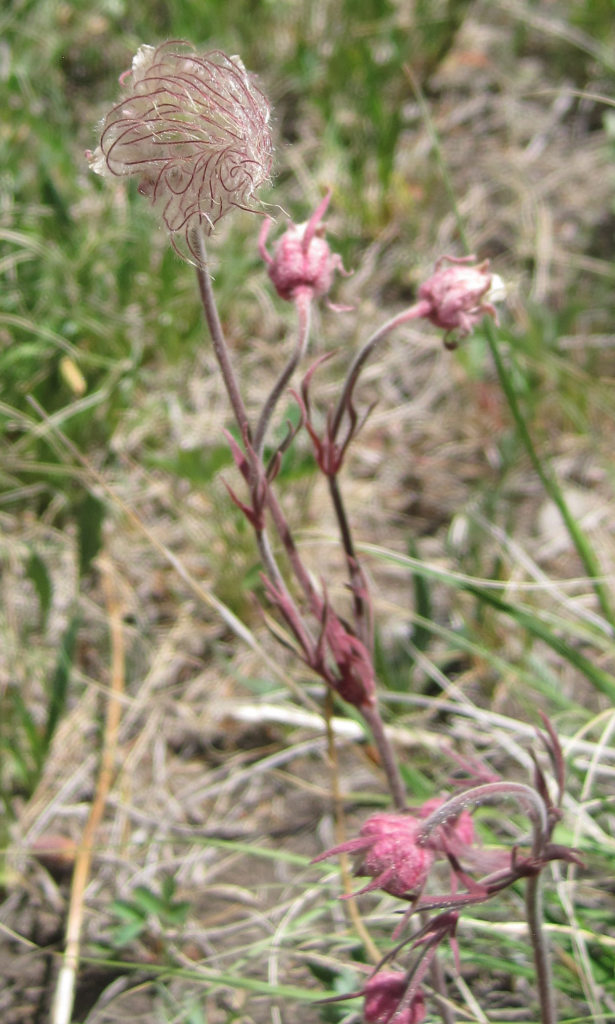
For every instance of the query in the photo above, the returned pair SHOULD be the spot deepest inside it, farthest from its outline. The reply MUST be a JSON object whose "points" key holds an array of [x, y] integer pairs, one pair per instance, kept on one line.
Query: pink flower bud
{"points": [[194, 130], [394, 859], [383, 993], [454, 295], [355, 681], [302, 263], [388, 850]]}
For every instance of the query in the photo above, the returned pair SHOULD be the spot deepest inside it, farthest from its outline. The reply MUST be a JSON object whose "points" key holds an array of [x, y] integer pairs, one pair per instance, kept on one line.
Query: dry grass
{"points": [[222, 779]]}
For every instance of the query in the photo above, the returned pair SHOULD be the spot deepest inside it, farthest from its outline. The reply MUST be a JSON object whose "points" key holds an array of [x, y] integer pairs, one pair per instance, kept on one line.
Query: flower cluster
{"points": [[393, 849], [194, 130], [398, 849]]}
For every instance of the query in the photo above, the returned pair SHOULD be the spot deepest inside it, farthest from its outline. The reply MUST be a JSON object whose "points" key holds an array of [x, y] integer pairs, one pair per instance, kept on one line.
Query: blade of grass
{"points": [[212, 977], [550, 483], [529, 619], [59, 682], [602, 680]]}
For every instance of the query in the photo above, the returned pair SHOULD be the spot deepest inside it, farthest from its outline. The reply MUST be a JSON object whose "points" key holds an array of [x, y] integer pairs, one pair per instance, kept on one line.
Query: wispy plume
{"points": [[194, 130]]}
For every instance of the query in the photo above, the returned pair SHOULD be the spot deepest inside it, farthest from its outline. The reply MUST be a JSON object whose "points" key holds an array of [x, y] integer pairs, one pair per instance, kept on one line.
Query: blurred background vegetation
{"points": [[415, 113]]}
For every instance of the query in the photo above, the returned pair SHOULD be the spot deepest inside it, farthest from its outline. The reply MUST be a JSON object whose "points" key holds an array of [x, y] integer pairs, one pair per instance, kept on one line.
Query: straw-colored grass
{"points": [[113, 465]]}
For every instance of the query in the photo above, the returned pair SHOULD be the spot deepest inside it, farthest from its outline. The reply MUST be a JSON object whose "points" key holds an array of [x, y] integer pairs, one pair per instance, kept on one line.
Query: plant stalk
{"points": [[362, 616], [387, 756], [542, 959], [577, 535], [218, 339], [412, 313], [303, 304]]}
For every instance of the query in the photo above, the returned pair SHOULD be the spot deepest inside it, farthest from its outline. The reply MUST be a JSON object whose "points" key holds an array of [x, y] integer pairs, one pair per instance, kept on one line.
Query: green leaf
{"points": [[90, 514], [148, 900], [36, 571], [124, 934], [198, 465], [176, 914], [128, 911], [34, 742], [602, 680], [422, 601], [58, 688], [419, 786]]}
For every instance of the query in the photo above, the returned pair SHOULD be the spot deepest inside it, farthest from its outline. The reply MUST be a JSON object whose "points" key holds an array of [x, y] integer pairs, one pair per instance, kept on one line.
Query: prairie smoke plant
{"points": [[194, 130]]}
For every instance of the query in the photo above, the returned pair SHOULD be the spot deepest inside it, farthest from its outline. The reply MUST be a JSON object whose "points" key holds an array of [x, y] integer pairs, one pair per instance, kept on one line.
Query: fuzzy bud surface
{"points": [[388, 851], [383, 994], [455, 295], [302, 264], [355, 682]]}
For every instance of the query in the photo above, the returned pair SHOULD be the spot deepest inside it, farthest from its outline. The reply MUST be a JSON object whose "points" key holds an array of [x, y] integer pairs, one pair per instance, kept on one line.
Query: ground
{"points": [[222, 779]]}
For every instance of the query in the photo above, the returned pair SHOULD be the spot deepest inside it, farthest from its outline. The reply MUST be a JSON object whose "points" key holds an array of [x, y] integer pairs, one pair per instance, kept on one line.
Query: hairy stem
{"points": [[536, 810], [254, 454], [362, 616], [218, 339], [542, 959], [257, 470], [387, 756], [531, 801], [413, 313], [292, 614], [303, 305]]}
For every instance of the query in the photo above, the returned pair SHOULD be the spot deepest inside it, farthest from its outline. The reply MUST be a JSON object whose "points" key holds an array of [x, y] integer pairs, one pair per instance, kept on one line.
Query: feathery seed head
{"points": [[194, 130]]}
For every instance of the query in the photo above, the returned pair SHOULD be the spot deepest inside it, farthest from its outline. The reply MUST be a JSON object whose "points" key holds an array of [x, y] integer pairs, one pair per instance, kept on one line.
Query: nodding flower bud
{"points": [[388, 850], [302, 265], [354, 680], [194, 130], [384, 993], [454, 296]]}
